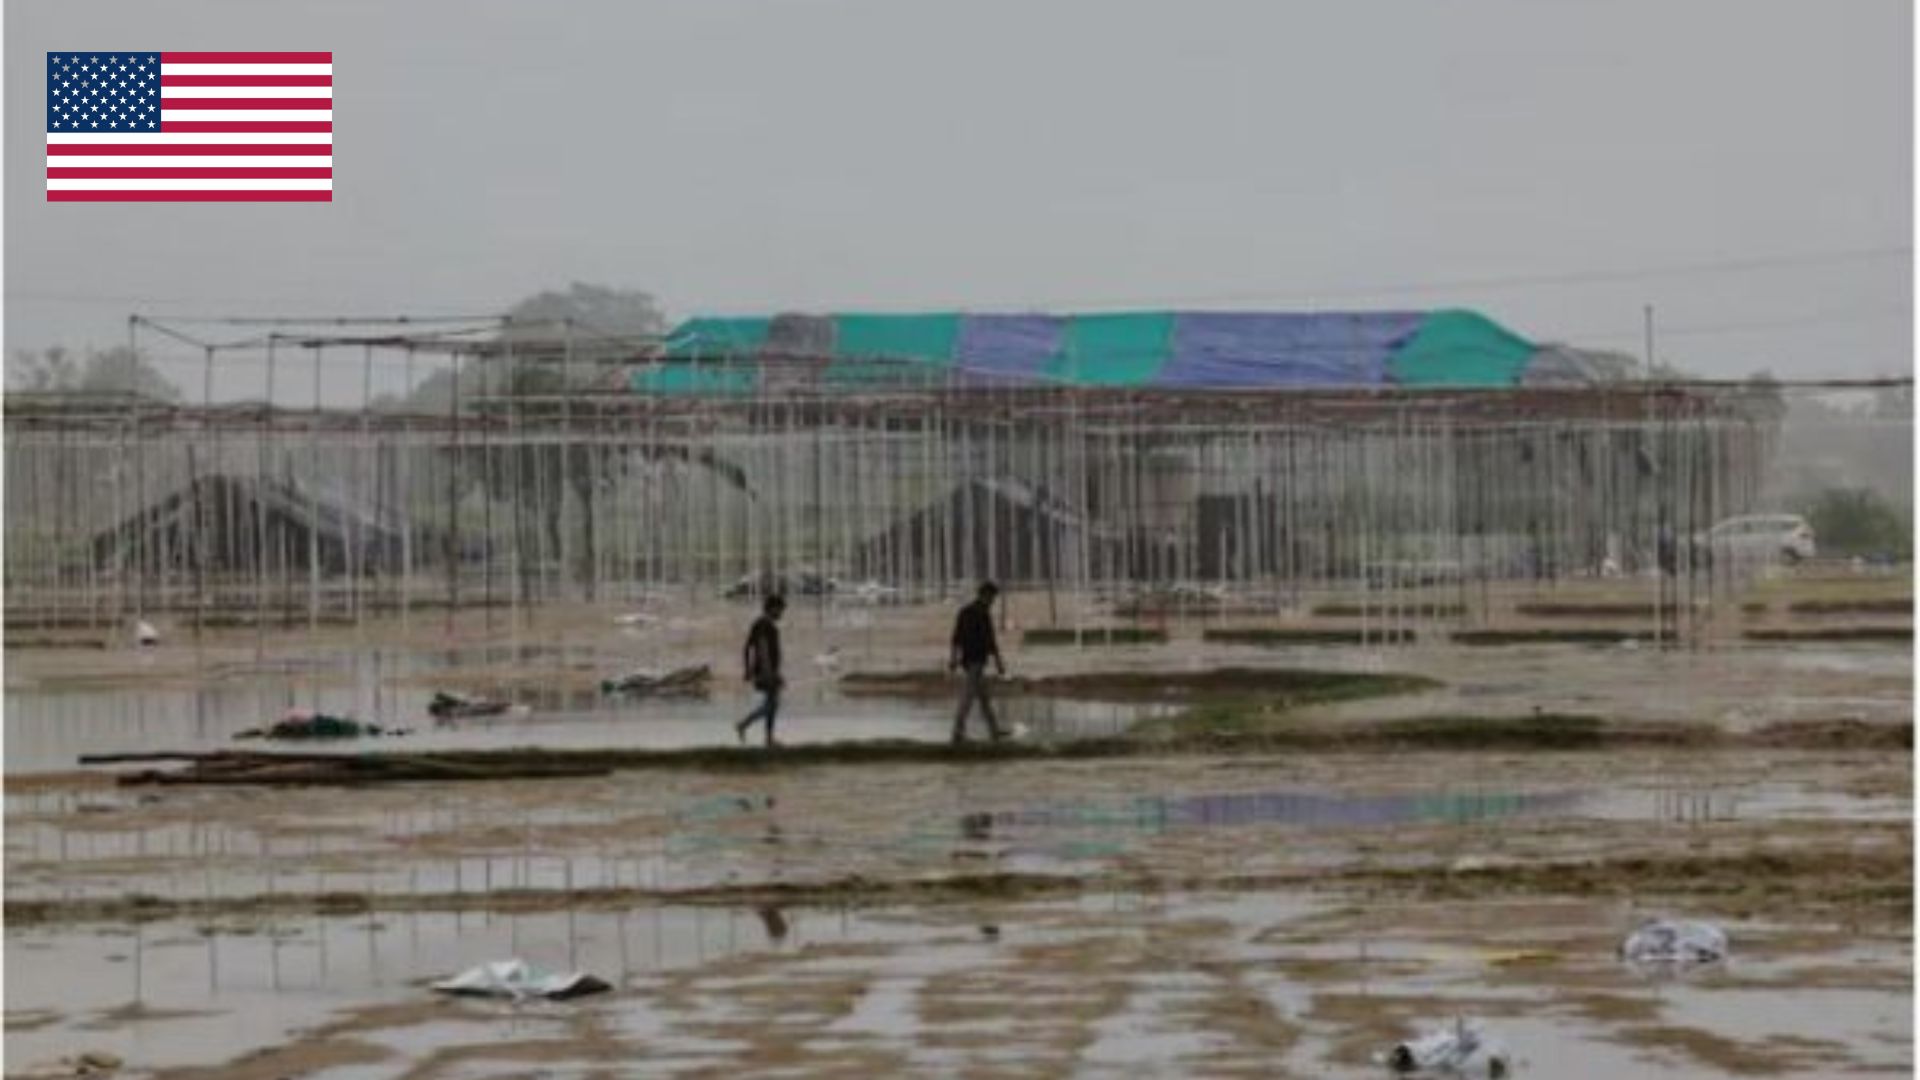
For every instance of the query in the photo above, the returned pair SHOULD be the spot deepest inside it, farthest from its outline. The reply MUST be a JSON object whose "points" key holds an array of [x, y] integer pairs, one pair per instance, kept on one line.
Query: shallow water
{"points": [[49, 729], [192, 845], [1103, 981]]}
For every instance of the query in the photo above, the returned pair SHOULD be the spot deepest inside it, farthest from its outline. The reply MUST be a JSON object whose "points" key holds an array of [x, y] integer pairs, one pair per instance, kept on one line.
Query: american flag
{"points": [[190, 127]]}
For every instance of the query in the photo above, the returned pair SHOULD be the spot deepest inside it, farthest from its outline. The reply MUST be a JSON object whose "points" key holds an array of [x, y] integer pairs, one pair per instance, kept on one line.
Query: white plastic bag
{"points": [[1461, 1049], [517, 979], [1674, 942]]}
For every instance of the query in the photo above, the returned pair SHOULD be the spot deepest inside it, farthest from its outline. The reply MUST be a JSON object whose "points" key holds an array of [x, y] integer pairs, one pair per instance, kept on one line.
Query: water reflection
{"points": [[1153, 814], [49, 729]]}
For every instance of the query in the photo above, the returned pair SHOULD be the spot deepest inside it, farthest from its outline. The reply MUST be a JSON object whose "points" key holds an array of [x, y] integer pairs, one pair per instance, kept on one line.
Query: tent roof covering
{"points": [[1165, 349]]}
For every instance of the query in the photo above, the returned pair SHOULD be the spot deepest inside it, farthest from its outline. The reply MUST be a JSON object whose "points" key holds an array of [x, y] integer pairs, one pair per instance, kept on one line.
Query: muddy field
{"points": [[1253, 883]]}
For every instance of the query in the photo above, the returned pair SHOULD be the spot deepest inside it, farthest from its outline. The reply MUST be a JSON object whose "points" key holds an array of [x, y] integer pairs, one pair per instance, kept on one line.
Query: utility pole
{"points": [[1649, 314]]}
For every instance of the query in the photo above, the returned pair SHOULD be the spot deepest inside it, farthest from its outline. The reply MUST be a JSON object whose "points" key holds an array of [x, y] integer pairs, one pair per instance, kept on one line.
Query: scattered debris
{"points": [[145, 635], [91, 1063], [302, 724], [873, 592], [279, 768], [1460, 1049], [1674, 943], [519, 980], [679, 682], [1094, 635], [451, 706], [829, 660], [635, 618]]}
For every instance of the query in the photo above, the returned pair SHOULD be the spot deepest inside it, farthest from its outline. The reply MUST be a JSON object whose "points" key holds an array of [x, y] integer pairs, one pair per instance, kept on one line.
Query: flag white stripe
{"points": [[246, 91], [189, 185], [245, 69], [257, 115], [187, 161], [201, 137]]}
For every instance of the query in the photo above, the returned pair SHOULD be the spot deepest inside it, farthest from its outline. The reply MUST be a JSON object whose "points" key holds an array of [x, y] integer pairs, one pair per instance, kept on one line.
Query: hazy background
{"points": [[1744, 165]]}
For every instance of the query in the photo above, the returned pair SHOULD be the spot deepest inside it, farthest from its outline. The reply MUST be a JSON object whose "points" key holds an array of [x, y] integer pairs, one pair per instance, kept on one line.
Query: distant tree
{"points": [[1763, 398], [117, 370], [598, 328], [602, 325], [1857, 521], [1893, 402]]}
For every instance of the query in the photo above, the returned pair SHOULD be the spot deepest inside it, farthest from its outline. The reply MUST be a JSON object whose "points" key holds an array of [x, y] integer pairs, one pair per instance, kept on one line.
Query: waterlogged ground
{"points": [[1280, 914], [1157, 917], [61, 706], [1100, 983]]}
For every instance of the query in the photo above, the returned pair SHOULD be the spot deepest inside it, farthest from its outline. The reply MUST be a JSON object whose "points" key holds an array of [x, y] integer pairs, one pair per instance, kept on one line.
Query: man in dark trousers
{"points": [[973, 646], [762, 662]]}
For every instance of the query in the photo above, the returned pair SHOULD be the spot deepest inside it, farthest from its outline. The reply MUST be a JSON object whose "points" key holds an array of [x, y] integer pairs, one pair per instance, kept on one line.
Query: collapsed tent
{"points": [[231, 522], [1138, 349], [1000, 527]]}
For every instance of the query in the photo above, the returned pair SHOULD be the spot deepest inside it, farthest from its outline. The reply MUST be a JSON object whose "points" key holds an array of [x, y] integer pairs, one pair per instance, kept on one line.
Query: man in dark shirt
{"points": [[762, 662], [973, 646]]}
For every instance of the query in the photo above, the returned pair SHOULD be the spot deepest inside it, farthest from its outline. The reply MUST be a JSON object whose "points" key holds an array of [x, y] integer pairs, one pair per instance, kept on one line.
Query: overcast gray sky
{"points": [[1744, 165]]}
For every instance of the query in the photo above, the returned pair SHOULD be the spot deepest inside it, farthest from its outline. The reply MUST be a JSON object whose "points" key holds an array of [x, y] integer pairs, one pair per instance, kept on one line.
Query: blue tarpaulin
{"points": [[1163, 349]]}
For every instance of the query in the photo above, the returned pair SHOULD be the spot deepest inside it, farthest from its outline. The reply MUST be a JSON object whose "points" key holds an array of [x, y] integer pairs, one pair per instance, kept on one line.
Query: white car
{"points": [[1760, 538]]}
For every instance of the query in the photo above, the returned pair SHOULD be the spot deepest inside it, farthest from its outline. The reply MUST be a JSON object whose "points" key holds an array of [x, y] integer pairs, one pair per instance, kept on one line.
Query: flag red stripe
{"points": [[189, 196], [245, 125], [184, 149], [246, 80], [187, 172], [184, 104], [246, 58]]}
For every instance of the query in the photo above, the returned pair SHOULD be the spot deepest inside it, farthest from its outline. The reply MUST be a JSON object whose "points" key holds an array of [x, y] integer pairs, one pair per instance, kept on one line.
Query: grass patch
{"points": [[1231, 727], [1595, 609], [16, 641], [1835, 735], [1885, 605], [1569, 636], [1744, 881], [1302, 635], [1834, 633], [1377, 611], [1273, 728], [1096, 635]]}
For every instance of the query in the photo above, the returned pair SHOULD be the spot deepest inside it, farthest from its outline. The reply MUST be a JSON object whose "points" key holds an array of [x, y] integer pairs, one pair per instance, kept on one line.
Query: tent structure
{"points": [[988, 527], [1194, 350], [225, 522]]}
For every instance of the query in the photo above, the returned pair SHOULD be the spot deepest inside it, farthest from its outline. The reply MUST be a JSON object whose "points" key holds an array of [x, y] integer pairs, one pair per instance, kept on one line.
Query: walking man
{"points": [[762, 662], [973, 646]]}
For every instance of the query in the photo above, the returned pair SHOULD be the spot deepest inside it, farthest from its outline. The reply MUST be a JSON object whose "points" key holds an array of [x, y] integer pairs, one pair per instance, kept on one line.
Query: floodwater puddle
{"points": [[1336, 810], [1100, 981], [175, 993], [99, 845], [49, 729]]}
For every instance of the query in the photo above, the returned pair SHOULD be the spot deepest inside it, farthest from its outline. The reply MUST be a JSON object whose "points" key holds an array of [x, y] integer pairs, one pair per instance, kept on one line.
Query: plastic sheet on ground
{"points": [[519, 980], [1460, 1049], [302, 724], [447, 705], [691, 679], [1674, 943]]}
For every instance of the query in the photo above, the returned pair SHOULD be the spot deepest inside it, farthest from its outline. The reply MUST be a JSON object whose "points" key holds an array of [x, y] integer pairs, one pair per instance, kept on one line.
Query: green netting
{"points": [[702, 379], [1460, 348], [1113, 350], [923, 338], [719, 336]]}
